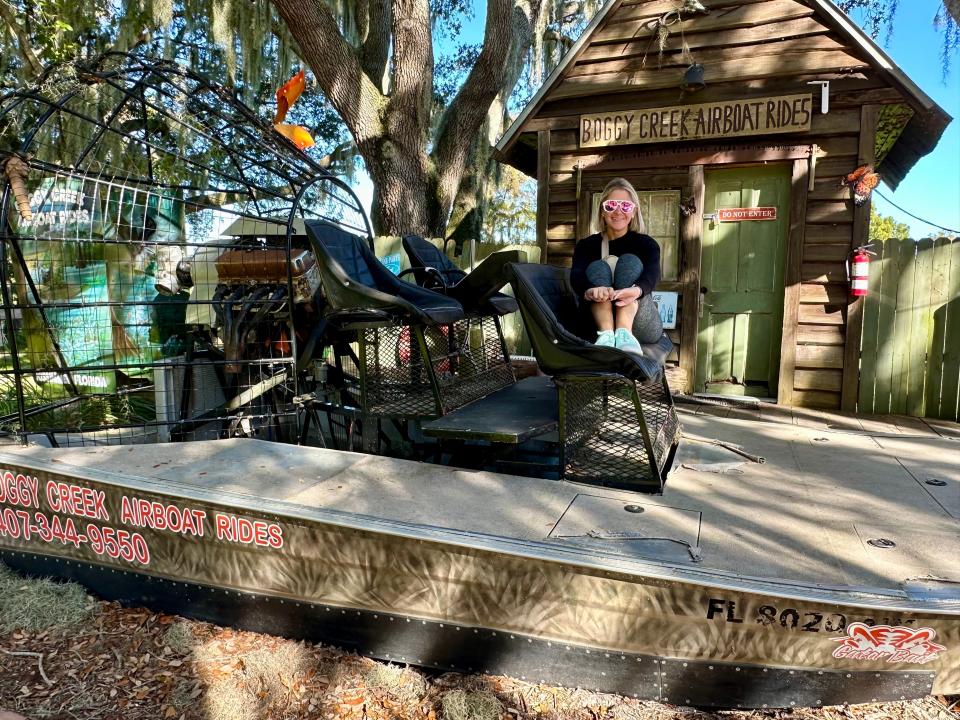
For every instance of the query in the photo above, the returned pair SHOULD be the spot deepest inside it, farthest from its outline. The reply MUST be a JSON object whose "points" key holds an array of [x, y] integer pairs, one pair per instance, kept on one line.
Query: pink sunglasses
{"points": [[625, 206]]}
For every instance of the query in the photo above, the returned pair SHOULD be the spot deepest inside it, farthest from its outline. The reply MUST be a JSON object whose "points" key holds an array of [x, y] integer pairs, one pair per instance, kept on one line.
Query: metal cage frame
{"points": [[126, 138], [602, 415]]}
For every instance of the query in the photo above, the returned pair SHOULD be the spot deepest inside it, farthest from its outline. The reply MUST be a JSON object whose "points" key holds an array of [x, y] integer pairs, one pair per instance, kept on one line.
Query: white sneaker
{"points": [[627, 342], [606, 338]]}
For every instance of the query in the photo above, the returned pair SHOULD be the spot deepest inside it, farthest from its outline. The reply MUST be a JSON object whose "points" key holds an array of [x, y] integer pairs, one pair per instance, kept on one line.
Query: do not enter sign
{"points": [[741, 214]]}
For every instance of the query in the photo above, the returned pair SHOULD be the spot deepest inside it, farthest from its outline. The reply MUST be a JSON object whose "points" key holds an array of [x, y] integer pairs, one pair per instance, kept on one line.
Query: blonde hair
{"points": [[636, 222]]}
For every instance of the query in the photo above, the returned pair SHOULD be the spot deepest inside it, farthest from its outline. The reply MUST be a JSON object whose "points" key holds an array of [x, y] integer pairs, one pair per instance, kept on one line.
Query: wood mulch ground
{"points": [[132, 663]]}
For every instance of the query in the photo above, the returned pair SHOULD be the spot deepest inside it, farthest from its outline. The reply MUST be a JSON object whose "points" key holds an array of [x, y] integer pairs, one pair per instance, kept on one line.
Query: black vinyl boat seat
{"points": [[549, 308], [356, 284], [477, 291], [617, 423], [399, 350]]}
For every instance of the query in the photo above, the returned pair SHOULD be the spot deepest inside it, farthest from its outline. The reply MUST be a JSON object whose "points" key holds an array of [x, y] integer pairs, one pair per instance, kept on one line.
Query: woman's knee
{"points": [[599, 274], [629, 269]]}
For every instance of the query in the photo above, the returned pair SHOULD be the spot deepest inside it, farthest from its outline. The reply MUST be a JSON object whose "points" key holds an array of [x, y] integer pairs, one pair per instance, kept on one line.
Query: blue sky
{"points": [[932, 189]]}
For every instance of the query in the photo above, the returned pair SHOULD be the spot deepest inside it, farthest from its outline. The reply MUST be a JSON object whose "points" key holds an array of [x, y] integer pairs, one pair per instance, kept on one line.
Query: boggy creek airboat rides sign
{"points": [[727, 118]]}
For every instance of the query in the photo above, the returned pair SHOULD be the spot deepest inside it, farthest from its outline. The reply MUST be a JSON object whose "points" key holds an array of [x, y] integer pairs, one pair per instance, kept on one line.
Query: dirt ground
{"points": [[66, 656]]}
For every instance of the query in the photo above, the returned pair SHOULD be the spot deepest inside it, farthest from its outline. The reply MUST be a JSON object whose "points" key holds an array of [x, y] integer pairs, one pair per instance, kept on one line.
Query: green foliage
{"points": [[242, 44], [511, 212], [885, 227]]}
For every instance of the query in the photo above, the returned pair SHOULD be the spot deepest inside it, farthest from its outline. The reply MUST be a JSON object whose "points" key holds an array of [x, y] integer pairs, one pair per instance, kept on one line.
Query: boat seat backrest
{"points": [[353, 255], [423, 253], [355, 280]]}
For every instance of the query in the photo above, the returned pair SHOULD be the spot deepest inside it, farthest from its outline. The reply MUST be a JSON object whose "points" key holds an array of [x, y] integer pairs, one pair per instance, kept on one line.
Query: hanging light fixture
{"points": [[693, 79]]}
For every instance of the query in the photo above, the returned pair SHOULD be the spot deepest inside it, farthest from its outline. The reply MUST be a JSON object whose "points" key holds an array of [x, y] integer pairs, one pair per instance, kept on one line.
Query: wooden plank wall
{"points": [[910, 350], [750, 48]]}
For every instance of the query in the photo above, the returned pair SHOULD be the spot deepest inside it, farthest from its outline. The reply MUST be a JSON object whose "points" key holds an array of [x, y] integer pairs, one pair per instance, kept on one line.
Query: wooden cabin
{"points": [[738, 179]]}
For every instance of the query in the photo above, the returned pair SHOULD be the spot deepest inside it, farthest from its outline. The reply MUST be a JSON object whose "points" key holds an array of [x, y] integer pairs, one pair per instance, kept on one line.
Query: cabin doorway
{"points": [[745, 227]]}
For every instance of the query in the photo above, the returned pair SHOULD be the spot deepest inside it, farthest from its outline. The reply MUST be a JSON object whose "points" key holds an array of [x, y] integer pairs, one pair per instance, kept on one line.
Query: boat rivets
{"points": [[881, 543], [936, 482], [633, 508]]}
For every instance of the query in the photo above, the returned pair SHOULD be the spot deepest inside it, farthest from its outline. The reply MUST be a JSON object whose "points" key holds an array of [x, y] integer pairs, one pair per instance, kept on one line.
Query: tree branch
{"points": [[336, 66], [23, 41], [508, 31], [376, 42], [341, 153], [953, 7], [410, 96]]}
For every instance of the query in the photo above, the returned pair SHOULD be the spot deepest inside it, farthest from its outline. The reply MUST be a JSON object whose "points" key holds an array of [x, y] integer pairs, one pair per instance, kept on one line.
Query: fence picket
{"points": [[939, 295], [869, 334], [889, 274], [950, 391], [903, 315], [921, 321], [870, 337]]}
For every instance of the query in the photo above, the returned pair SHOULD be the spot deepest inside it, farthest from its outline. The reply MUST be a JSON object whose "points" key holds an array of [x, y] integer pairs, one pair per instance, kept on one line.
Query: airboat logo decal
{"points": [[883, 642]]}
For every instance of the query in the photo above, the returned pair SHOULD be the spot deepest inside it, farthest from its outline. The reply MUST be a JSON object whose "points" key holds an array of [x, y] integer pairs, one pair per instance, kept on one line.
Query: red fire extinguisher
{"points": [[858, 270]]}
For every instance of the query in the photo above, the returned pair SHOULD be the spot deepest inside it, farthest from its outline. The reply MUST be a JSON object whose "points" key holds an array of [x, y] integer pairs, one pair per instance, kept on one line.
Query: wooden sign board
{"points": [[742, 214], [726, 119]]}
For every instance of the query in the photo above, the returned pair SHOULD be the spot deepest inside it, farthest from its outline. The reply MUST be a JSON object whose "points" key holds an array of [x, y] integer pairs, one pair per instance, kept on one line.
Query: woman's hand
{"points": [[627, 296], [599, 294]]}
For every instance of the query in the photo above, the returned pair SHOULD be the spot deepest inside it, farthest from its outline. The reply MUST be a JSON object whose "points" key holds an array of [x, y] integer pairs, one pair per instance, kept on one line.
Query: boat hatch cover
{"points": [[644, 529]]}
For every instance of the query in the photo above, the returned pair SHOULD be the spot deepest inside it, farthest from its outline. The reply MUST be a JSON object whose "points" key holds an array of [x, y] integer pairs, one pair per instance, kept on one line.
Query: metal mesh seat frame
{"points": [[424, 371], [615, 431]]}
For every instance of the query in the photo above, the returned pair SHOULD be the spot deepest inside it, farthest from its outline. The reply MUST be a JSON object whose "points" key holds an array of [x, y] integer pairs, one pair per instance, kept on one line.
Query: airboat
{"points": [[219, 402]]}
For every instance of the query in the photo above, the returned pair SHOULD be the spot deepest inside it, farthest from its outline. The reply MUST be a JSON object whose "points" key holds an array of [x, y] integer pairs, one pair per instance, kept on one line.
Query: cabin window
{"points": [[661, 213]]}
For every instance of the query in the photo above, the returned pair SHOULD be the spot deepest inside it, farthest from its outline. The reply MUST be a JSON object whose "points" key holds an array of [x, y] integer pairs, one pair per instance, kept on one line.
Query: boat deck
{"points": [[815, 519]]}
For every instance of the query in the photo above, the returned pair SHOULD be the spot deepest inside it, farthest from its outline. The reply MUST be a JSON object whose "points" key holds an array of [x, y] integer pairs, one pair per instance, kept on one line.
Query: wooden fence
{"points": [[910, 347]]}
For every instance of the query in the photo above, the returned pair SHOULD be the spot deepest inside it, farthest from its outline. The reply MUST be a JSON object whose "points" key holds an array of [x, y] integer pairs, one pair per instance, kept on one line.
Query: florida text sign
{"points": [[729, 118]]}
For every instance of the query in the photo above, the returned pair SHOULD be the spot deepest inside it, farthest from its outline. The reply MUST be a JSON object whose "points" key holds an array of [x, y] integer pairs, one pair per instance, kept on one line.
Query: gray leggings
{"points": [[647, 327]]}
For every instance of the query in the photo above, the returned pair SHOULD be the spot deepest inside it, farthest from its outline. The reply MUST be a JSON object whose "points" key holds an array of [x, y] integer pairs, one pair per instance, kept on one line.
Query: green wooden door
{"points": [[742, 269]]}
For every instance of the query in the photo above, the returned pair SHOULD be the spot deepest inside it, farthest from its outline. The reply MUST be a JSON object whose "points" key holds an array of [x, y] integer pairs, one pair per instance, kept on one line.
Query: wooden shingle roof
{"points": [[811, 35]]}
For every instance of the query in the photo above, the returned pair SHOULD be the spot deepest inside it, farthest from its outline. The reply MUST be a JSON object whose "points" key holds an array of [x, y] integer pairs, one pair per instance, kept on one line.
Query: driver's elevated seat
{"points": [[618, 425]]}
